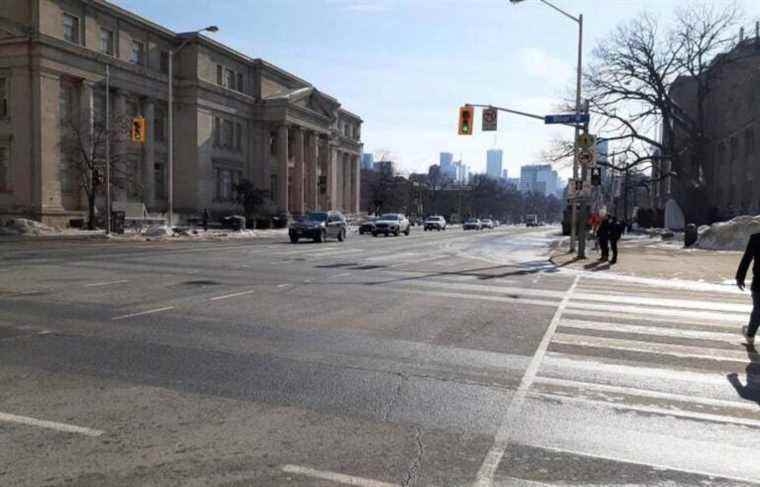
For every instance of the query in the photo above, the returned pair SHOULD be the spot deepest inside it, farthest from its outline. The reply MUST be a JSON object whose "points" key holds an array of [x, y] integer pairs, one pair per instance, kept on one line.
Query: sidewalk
{"points": [[645, 257]]}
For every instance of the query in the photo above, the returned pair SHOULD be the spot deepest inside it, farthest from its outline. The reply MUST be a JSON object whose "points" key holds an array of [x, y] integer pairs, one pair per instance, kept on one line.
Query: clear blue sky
{"points": [[405, 66]]}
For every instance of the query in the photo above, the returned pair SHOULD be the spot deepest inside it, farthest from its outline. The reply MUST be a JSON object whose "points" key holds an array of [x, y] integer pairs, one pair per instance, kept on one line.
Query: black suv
{"points": [[319, 226]]}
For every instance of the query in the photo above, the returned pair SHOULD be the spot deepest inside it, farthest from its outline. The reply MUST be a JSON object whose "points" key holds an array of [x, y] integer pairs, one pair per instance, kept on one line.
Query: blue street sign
{"points": [[567, 118]]}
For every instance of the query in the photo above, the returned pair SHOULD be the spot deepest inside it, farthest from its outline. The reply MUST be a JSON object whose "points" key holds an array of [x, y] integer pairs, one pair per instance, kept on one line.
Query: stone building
{"points": [[235, 117], [724, 181]]}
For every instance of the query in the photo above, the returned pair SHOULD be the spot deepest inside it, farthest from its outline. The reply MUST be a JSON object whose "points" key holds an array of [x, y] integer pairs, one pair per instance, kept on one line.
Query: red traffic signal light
{"points": [[466, 117]]}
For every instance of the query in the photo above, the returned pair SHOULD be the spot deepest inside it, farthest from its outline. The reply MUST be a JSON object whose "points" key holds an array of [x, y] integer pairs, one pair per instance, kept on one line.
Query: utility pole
{"points": [[108, 149]]}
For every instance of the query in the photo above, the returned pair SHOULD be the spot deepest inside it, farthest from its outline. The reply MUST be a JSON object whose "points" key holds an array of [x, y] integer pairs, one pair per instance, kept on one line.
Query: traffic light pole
{"points": [[584, 203]]}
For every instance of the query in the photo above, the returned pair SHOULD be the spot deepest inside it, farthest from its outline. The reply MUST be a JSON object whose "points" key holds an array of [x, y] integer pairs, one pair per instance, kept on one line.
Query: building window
{"points": [[5, 169], [238, 136], [138, 53], [219, 75], [3, 97], [106, 41], [217, 129], [229, 79], [229, 134], [158, 124], [226, 181], [164, 62], [71, 28], [240, 86], [159, 176]]}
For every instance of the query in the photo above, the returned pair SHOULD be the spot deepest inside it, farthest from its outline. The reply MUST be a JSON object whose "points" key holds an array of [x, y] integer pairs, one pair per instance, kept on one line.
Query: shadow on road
{"points": [[751, 390]]}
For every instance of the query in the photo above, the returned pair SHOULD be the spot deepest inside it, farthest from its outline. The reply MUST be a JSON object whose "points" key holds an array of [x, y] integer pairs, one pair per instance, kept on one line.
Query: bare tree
{"points": [[648, 86], [83, 151]]}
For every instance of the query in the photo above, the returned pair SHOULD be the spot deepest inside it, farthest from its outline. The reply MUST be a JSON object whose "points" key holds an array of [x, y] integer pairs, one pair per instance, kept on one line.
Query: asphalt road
{"points": [[440, 359]]}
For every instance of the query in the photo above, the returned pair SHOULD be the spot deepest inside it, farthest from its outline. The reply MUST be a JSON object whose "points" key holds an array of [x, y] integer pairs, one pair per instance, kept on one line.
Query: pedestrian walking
{"points": [[205, 219], [751, 254], [616, 231], [603, 234], [594, 221]]}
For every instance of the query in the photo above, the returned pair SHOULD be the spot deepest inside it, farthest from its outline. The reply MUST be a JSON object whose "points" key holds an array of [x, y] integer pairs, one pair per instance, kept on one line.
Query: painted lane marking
{"points": [[520, 292], [335, 477], [282, 285], [501, 440], [141, 313], [681, 351], [345, 274], [649, 394], [716, 316], [650, 330], [67, 428], [670, 303], [106, 283], [233, 295]]}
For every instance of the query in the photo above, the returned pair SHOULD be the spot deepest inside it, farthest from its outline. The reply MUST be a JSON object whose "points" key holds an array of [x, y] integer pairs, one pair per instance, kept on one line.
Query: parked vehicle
{"points": [[368, 226], [496, 223], [392, 224], [487, 223], [319, 226], [472, 224], [531, 221], [435, 222]]}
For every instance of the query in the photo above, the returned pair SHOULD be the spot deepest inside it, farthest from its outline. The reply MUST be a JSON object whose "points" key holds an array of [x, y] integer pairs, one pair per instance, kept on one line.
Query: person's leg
{"points": [[613, 244], [754, 320], [605, 244]]}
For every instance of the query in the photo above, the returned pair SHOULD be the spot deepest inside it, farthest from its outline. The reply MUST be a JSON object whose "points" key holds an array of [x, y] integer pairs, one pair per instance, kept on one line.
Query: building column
{"points": [[346, 182], [149, 155], [87, 116], [299, 175], [312, 171], [332, 179], [119, 163], [282, 168], [325, 156], [355, 185]]}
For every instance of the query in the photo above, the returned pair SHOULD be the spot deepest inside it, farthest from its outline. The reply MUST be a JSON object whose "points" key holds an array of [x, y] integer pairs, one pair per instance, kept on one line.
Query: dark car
{"points": [[319, 226], [367, 227]]}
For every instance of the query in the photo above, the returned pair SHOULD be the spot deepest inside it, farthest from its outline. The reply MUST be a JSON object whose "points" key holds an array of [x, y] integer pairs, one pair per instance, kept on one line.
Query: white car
{"points": [[487, 223], [435, 223], [392, 224]]}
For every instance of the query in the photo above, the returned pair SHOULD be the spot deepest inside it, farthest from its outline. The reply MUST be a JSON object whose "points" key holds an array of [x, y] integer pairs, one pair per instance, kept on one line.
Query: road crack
{"points": [[396, 395], [415, 469]]}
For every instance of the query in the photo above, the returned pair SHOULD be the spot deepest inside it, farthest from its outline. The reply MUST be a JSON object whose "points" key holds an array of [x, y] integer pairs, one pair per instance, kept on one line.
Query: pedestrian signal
{"points": [[596, 176], [138, 130], [466, 116]]}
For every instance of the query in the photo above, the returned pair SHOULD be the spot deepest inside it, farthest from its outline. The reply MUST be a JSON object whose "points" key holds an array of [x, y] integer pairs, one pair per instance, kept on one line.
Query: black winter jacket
{"points": [[751, 254]]}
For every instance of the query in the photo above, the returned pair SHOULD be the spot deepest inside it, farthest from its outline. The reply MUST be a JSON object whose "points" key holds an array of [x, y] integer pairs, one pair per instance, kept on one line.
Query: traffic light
{"points": [[596, 176], [466, 116], [138, 130]]}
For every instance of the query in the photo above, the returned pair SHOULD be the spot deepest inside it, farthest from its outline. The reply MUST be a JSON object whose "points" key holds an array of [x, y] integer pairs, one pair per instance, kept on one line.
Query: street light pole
{"points": [[170, 161], [579, 75]]}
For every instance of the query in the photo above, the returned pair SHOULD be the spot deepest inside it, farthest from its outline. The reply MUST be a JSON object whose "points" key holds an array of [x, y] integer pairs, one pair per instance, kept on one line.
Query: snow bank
{"points": [[23, 226], [730, 235], [158, 231]]}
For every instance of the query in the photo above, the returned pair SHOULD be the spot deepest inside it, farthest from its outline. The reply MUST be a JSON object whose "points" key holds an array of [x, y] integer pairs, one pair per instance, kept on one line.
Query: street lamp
{"points": [[579, 21], [170, 170]]}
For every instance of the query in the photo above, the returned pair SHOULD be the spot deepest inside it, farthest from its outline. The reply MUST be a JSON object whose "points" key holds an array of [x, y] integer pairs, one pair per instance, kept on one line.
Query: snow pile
{"points": [[23, 226], [730, 235], [158, 231]]}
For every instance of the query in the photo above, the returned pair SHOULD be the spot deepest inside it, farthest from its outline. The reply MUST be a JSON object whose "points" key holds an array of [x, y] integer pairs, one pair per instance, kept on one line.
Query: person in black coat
{"points": [[751, 254], [603, 234], [616, 231]]}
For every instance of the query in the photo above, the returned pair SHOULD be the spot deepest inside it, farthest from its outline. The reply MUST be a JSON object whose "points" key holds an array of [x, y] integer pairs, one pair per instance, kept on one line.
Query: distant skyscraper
{"points": [[368, 161], [493, 163], [504, 174], [539, 178], [445, 159]]}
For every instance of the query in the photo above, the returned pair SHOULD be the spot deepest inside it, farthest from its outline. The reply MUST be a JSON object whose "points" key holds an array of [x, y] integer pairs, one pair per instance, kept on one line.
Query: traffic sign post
{"points": [[490, 119], [587, 157], [586, 141]]}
